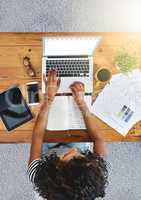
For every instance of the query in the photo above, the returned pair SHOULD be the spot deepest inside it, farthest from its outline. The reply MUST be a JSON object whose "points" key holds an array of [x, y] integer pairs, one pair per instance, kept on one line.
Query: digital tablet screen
{"points": [[17, 111]]}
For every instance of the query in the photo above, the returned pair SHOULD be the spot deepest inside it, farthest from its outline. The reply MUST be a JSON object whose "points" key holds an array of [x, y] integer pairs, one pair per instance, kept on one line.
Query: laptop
{"points": [[73, 59]]}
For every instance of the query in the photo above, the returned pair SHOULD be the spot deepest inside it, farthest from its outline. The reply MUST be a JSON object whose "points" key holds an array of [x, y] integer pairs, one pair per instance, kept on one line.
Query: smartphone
{"points": [[33, 93]]}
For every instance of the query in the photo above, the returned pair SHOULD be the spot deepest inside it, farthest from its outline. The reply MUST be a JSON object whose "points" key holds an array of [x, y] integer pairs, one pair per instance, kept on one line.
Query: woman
{"points": [[67, 171]]}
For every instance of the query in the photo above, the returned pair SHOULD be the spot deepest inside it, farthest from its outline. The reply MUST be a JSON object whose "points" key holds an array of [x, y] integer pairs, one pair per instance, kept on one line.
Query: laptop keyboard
{"points": [[69, 67]]}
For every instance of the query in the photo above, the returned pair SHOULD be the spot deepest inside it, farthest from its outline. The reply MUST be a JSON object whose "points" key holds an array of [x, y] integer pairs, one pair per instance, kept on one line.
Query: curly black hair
{"points": [[78, 179]]}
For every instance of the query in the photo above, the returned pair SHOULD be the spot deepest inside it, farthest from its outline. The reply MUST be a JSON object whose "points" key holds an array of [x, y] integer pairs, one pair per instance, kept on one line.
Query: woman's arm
{"points": [[52, 85], [39, 131], [93, 129]]}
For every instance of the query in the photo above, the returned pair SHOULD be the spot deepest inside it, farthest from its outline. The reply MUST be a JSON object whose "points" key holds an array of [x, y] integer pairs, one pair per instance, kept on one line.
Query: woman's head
{"points": [[80, 178]]}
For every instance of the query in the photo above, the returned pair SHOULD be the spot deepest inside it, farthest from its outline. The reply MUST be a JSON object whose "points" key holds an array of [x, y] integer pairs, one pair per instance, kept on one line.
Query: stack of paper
{"points": [[119, 104]]}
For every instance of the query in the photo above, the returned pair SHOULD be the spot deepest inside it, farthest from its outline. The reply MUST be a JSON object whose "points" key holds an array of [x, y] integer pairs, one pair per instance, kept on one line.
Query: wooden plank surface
{"points": [[14, 46]]}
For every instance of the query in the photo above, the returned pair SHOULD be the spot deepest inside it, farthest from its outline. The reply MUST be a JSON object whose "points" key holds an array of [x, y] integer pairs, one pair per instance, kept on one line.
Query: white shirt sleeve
{"points": [[32, 169]]}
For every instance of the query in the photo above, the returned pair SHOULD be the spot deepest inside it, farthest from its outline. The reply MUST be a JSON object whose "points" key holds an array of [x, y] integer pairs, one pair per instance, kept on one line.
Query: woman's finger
{"points": [[74, 90], [49, 74], [78, 83], [58, 82], [82, 86], [78, 86], [54, 74], [72, 85], [44, 78]]}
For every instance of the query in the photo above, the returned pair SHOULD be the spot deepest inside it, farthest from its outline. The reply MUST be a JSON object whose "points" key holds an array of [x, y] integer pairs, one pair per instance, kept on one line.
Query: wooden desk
{"points": [[14, 46]]}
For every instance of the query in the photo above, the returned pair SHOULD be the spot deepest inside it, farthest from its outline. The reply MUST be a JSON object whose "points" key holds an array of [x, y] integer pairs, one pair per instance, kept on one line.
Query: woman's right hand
{"points": [[78, 91]]}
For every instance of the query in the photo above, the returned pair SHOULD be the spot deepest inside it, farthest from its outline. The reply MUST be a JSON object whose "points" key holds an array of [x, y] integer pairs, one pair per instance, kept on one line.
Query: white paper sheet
{"points": [[122, 90], [58, 118]]}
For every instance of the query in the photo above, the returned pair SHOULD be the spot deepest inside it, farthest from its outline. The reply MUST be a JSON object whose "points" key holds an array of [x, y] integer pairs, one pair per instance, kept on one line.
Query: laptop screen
{"points": [[63, 46]]}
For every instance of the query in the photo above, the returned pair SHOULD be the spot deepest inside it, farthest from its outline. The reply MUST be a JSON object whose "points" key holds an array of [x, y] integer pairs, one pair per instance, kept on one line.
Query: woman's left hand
{"points": [[52, 84]]}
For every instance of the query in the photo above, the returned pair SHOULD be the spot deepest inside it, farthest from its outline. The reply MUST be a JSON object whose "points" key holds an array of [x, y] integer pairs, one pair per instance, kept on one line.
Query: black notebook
{"points": [[13, 109]]}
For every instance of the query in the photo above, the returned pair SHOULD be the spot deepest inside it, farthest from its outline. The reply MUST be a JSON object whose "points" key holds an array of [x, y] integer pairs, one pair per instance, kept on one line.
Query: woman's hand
{"points": [[78, 90], [52, 84]]}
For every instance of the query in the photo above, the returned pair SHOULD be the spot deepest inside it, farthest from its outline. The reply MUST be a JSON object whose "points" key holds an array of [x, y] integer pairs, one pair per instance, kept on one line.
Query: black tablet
{"points": [[13, 110]]}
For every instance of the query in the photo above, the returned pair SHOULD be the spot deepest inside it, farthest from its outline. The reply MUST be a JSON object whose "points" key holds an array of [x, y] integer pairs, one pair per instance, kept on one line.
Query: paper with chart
{"points": [[119, 104], [65, 114]]}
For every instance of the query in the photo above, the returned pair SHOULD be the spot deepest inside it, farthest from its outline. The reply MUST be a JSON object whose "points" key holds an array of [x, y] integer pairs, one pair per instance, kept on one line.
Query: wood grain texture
{"points": [[14, 46]]}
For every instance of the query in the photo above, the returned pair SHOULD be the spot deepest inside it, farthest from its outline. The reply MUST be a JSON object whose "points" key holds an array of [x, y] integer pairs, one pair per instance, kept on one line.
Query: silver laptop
{"points": [[73, 58]]}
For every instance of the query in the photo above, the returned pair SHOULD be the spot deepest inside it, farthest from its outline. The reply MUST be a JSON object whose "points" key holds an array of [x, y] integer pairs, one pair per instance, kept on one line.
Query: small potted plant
{"points": [[126, 62]]}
